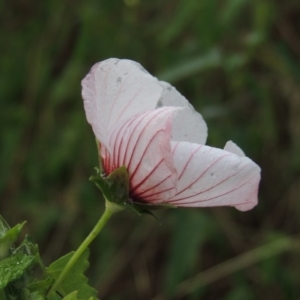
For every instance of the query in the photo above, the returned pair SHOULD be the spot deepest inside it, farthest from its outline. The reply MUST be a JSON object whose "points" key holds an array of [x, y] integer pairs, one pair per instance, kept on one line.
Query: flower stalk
{"points": [[110, 209]]}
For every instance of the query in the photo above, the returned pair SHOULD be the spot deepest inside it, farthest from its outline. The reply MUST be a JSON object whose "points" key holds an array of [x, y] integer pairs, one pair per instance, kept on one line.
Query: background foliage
{"points": [[237, 61]]}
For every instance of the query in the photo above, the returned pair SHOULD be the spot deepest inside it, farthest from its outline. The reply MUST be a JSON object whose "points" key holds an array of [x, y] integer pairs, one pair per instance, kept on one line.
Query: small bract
{"points": [[147, 126]]}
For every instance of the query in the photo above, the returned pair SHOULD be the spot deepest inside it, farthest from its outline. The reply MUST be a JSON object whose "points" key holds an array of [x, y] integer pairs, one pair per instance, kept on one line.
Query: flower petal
{"points": [[234, 148], [213, 177], [116, 90], [143, 145], [194, 129]]}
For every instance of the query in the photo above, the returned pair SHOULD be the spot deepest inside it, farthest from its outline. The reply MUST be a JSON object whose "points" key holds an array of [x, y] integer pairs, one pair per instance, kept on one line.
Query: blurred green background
{"points": [[237, 61]]}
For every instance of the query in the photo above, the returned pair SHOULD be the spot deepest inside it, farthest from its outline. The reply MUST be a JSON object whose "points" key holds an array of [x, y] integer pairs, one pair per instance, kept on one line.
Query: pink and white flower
{"points": [[149, 127]]}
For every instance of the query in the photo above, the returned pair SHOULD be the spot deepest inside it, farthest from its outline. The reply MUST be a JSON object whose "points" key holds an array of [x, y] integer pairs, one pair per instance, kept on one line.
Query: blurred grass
{"points": [[237, 61]]}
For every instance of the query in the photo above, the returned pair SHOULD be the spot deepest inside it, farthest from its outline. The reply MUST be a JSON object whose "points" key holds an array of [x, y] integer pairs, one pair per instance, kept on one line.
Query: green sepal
{"points": [[101, 169], [141, 211], [115, 186], [7, 237], [141, 208]]}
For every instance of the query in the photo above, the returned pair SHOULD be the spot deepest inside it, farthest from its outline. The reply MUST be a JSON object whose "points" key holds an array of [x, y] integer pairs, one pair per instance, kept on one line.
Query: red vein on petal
{"points": [[219, 195], [121, 160], [175, 147], [159, 111], [154, 186], [106, 164], [117, 146], [127, 105], [202, 173], [144, 152], [189, 160], [105, 94], [132, 130], [160, 192], [145, 178], [201, 192], [117, 95]]}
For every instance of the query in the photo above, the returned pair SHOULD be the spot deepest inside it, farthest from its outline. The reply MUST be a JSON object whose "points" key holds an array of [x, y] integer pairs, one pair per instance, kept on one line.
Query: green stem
{"points": [[110, 209]]}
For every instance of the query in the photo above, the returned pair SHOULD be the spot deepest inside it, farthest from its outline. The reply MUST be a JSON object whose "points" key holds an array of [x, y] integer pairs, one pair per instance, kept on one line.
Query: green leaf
{"points": [[15, 271], [75, 280], [54, 296], [41, 286], [13, 267], [27, 247], [8, 237], [72, 296], [36, 296]]}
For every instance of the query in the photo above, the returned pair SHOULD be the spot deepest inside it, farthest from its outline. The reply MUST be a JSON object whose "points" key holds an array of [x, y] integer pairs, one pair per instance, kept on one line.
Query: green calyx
{"points": [[115, 186], [115, 189]]}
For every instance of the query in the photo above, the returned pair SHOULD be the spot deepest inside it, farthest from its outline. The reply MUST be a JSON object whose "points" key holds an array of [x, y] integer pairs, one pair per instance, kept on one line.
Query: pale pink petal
{"points": [[213, 177], [188, 124], [116, 90], [142, 144], [234, 148]]}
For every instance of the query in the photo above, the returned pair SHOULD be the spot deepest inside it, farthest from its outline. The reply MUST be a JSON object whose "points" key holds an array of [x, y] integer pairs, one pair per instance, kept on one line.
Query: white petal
{"points": [[188, 125], [116, 90], [142, 144], [213, 177], [234, 148]]}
